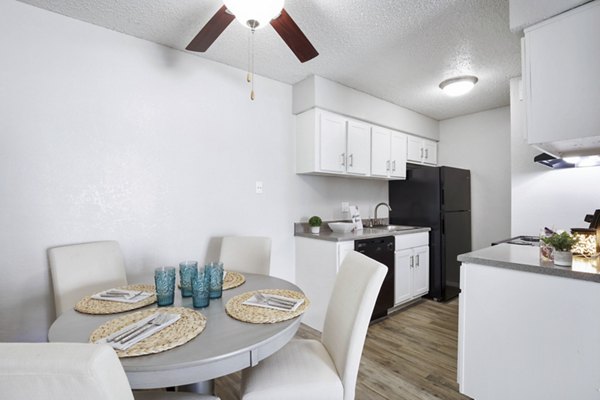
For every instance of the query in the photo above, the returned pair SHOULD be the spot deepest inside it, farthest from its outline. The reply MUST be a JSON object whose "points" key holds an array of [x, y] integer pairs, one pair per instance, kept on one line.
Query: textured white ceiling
{"points": [[397, 50]]}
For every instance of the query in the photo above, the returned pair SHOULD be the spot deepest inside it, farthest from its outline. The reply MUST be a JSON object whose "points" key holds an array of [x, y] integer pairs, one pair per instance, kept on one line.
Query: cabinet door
{"points": [[380, 152], [398, 155], [403, 265], [358, 160], [415, 149], [420, 271], [332, 141], [561, 66], [429, 152]]}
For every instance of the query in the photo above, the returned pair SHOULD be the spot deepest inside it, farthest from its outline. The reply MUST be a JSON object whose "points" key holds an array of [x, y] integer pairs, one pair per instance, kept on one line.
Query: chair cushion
{"points": [[301, 370], [65, 371]]}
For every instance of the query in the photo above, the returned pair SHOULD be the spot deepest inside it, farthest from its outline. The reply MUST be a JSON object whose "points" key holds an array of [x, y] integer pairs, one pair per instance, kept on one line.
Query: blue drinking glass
{"points": [[164, 278], [186, 268], [216, 279], [200, 287]]}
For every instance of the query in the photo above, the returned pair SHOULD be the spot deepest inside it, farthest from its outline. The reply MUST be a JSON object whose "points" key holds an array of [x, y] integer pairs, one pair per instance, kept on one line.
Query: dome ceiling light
{"points": [[254, 14], [459, 85]]}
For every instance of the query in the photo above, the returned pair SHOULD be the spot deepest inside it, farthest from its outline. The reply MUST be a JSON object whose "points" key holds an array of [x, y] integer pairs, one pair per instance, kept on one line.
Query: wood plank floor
{"points": [[409, 356]]}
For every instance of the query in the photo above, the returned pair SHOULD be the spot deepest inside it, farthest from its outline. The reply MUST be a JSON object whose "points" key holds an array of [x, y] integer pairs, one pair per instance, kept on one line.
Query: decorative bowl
{"points": [[341, 227]]}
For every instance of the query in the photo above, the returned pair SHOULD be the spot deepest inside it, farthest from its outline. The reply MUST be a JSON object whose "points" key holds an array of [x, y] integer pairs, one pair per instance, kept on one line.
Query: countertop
{"points": [[526, 258], [301, 230]]}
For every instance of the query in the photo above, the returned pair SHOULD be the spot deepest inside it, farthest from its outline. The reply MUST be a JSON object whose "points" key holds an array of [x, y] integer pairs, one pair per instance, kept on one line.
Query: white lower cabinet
{"points": [[411, 267], [317, 265]]}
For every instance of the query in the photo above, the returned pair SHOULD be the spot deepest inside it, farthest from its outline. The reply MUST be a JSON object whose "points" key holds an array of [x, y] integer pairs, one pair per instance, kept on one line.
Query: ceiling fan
{"points": [[255, 14]]}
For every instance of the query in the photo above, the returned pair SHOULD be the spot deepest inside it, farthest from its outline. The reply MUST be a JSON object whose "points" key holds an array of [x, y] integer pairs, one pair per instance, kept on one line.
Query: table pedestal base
{"points": [[204, 387]]}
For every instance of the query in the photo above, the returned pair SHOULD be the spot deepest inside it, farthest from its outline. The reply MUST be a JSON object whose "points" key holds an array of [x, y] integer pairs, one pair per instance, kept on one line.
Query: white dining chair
{"points": [[246, 254], [326, 369], [79, 270], [70, 371]]}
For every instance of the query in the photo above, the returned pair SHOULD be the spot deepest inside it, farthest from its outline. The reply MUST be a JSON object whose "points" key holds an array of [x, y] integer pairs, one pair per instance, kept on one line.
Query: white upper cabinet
{"points": [[358, 146], [328, 143], [388, 153], [332, 141], [562, 96], [421, 151]]}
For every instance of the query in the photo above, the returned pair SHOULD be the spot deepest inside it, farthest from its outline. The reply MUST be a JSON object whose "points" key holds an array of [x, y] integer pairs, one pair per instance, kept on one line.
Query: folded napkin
{"points": [[253, 301], [122, 295], [169, 320]]}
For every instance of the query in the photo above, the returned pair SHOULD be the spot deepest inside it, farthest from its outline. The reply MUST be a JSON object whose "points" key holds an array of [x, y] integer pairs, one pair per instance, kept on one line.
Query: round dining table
{"points": [[225, 346]]}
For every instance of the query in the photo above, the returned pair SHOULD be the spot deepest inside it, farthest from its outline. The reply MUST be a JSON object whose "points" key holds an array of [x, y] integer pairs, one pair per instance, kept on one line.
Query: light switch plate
{"points": [[259, 187]]}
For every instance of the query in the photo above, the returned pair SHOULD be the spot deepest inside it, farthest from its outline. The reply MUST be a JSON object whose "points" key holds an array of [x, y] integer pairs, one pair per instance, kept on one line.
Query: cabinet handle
{"points": [[427, 154], [421, 152], [387, 165], [343, 157], [412, 261], [417, 260], [394, 166], [351, 157]]}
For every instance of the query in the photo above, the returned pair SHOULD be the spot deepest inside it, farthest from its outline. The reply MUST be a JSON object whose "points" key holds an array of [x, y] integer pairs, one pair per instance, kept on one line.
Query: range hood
{"points": [[567, 162]]}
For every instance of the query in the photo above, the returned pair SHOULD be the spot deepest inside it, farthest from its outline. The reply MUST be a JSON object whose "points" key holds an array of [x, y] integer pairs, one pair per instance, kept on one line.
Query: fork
{"points": [[159, 320], [278, 302], [120, 294], [133, 330]]}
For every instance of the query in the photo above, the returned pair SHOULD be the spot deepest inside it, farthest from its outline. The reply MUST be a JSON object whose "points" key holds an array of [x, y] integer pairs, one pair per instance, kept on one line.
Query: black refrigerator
{"points": [[440, 198]]}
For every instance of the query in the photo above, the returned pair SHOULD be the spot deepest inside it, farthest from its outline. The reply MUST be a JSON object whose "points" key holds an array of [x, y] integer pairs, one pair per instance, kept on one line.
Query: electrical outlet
{"points": [[259, 187], [345, 207]]}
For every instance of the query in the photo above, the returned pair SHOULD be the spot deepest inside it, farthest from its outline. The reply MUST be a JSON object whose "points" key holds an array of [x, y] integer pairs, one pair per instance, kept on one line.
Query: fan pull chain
{"points": [[249, 56]]}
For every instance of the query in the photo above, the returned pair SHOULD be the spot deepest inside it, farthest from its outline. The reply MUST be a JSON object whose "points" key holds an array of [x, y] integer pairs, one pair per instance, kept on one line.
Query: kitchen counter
{"points": [[301, 230], [526, 258], [527, 330]]}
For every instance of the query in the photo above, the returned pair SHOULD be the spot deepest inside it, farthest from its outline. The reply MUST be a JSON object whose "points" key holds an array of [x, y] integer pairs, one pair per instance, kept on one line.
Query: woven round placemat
{"points": [[261, 315], [190, 325], [232, 280], [87, 305]]}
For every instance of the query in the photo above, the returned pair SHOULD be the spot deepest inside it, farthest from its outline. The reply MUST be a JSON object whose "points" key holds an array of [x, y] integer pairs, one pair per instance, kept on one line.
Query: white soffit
{"points": [[397, 50]]}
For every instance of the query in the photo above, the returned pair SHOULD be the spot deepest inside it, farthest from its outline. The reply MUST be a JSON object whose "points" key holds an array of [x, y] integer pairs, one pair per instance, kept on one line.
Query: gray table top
{"points": [[225, 346]]}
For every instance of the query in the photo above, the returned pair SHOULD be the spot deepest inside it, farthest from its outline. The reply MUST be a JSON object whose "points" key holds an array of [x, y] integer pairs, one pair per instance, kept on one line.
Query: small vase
{"points": [[315, 229], [563, 258]]}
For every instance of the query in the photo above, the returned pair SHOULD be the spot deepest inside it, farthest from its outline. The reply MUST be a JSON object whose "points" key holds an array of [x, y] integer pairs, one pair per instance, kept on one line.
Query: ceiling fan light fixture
{"points": [[459, 85], [254, 14]]}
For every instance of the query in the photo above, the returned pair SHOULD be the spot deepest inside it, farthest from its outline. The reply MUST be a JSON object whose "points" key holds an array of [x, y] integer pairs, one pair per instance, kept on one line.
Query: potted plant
{"points": [[315, 224], [562, 242]]}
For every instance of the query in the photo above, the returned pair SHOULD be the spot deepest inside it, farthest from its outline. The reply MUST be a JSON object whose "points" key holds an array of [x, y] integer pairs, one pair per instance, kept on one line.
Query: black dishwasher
{"points": [[382, 250]]}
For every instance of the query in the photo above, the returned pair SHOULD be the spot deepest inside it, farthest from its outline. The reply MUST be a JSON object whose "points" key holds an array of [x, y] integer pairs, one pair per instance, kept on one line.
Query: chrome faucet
{"points": [[377, 221]]}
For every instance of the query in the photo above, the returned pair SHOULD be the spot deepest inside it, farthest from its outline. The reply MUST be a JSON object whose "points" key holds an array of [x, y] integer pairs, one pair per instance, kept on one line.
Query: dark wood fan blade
{"points": [[211, 31], [292, 35]]}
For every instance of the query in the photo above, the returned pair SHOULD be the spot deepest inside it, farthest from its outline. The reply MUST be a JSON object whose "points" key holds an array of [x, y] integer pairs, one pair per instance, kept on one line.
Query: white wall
{"points": [[543, 197], [105, 136], [480, 142]]}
